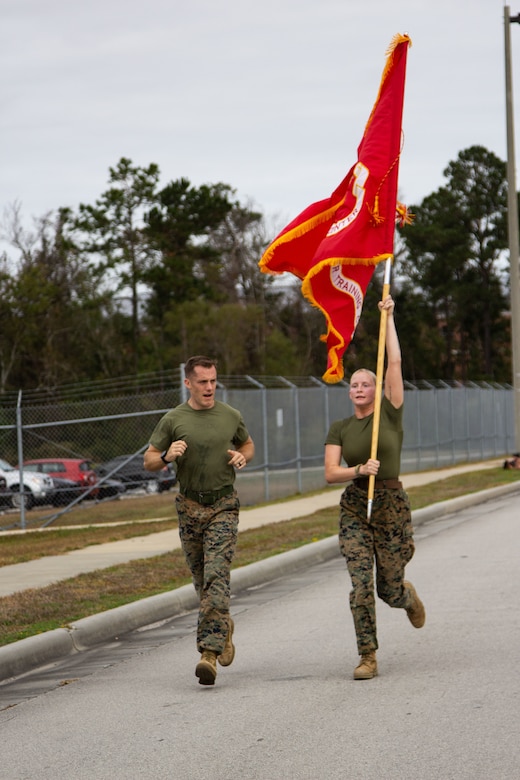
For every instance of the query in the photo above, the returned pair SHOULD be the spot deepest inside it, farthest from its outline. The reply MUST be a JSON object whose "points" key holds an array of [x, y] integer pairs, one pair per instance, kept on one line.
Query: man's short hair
{"points": [[198, 360]]}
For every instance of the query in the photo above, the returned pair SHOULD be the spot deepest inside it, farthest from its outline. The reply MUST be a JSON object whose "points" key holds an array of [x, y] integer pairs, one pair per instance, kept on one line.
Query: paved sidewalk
{"points": [[54, 568]]}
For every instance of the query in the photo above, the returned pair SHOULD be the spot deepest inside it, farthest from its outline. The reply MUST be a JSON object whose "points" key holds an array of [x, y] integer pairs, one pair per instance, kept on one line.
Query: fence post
{"points": [[418, 426], [19, 439], [184, 391], [326, 415], [452, 425], [294, 390], [263, 391], [468, 427], [433, 389]]}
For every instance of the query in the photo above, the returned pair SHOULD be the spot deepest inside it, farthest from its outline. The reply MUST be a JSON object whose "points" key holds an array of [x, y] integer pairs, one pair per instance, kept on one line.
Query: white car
{"points": [[36, 487]]}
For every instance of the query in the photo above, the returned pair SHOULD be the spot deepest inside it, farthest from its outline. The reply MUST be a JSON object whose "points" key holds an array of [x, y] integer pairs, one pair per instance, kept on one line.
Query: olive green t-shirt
{"points": [[354, 436], [209, 433]]}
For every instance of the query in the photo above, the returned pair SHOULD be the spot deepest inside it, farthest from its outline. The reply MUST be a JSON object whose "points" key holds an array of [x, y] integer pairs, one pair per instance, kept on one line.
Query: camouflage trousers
{"points": [[208, 536], [385, 540]]}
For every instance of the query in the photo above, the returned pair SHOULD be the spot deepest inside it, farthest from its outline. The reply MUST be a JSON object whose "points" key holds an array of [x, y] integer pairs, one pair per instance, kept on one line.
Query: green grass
{"points": [[34, 611]]}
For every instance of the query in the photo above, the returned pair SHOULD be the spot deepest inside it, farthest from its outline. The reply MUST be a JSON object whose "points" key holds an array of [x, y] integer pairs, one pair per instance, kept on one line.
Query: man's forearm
{"points": [[152, 460], [247, 450]]}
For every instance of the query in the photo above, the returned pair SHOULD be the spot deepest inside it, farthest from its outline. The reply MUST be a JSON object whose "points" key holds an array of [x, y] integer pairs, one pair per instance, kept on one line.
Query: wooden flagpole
{"points": [[379, 383]]}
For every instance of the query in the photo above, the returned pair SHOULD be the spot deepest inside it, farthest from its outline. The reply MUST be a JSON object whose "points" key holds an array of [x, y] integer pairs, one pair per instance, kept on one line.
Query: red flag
{"points": [[335, 244]]}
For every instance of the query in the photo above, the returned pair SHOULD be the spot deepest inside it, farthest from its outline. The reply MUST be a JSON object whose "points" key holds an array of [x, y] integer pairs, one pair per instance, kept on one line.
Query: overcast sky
{"points": [[270, 96]]}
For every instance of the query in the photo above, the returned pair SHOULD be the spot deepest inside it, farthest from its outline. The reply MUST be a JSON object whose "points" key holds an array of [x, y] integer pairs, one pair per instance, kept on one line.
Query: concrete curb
{"points": [[454, 505], [20, 657], [27, 654]]}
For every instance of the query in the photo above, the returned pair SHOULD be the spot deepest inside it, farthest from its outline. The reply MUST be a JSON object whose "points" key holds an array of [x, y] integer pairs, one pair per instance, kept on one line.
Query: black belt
{"points": [[207, 497], [380, 484]]}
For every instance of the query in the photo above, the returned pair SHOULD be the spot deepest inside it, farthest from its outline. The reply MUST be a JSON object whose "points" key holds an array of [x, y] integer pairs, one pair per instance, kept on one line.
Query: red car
{"points": [[77, 470]]}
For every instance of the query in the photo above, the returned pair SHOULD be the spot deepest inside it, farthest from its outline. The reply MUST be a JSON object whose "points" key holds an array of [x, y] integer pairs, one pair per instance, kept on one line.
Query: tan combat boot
{"points": [[367, 667], [227, 655], [206, 669], [416, 612]]}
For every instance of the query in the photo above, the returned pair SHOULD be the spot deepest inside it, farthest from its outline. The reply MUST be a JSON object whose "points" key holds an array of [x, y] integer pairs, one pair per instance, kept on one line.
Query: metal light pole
{"points": [[512, 219]]}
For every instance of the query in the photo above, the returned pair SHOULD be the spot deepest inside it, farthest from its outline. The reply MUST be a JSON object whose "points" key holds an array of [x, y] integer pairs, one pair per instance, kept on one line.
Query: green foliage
{"points": [[453, 260], [147, 275], [184, 265], [112, 231], [202, 327], [281, 357], [50, 309]]}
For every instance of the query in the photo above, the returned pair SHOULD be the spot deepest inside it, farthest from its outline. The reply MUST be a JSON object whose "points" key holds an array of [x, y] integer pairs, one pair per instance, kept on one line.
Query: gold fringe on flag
{"points": [[403, 216]]}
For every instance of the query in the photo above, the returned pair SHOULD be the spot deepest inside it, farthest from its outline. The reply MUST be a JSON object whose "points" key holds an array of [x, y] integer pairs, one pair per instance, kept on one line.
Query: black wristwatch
{"points": [[163, 458]]}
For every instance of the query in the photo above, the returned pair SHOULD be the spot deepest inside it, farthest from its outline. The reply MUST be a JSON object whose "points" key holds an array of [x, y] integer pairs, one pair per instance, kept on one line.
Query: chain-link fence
{"points": [[94, 426]]}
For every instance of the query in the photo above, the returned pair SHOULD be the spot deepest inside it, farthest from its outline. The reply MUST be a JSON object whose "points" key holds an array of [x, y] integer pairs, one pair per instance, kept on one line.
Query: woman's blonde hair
{"points": [[365, 371]]}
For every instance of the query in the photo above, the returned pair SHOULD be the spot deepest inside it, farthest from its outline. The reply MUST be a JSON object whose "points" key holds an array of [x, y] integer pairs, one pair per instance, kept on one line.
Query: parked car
{"points": [[5, 494], [65, 491], [130, 470], [109, 488], [78, 470], [37, 488]]}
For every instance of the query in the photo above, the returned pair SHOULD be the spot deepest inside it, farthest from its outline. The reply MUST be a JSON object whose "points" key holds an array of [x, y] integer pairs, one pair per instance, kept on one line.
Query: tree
{"points": [[478, 182], [185, 265], [452, 259], [240, 239], [47, 304], [113, 230], [204, 327], [9, 332], [187, 261]]}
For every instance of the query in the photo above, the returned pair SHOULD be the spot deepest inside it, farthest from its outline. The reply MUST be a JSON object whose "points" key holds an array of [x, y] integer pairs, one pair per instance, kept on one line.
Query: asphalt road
{"points": [[445, 704]]}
